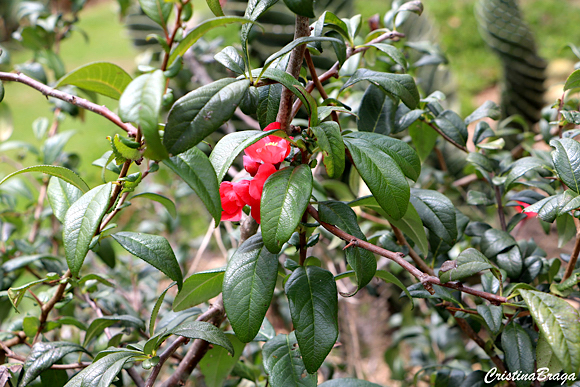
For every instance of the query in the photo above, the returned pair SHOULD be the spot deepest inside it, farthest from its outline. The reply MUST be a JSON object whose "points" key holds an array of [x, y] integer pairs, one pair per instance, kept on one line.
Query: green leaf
{"points": [[204, 331], [519, 352], [53, 146], [52, 170], [156, 308], [376, 111], [301, 7], [330, 142], [81, 222], [521, 167], [545, 357], [293, 44], [217, 364], [397, 85], [392, 279], [248, 287], [99, 324], [215, 7], [313, 300], [405, 157], [196, 170], [469, 262], [104, 369], [269, 103], [558, 322], [54, 378], [453, 126], [437, 213], [418, 291], [495, 241], [566, 229], [393, 52], [230, 58], [283, 363], [44, 355], [61, 195], [157, 10], [284, 199], [165, 201], [199, 113], [25, 260], [16, 294], [198, 288], [254, 10], [140, 103], [281, 76], [573, 81], [511, 261], [382, 175], [329, 19], [153, 249], [348, 382], [566, 158], [104, 78], [488, 109], [492, 314], [424, 139], [230, 146], [104, 250], [199, 31], [362, 261]]}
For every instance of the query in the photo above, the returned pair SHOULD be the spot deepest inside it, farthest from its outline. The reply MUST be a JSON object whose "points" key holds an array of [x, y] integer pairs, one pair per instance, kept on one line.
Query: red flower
{"points": [[270, 149], [232, 203], [522, 206], [251, 165]]}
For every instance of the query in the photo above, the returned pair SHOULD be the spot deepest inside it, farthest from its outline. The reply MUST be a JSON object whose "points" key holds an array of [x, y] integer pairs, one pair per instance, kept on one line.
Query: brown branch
{"points": [[215, 314], [466, 180], [425, 279], [500, 212], [574, 256], [302, 29], [46, 308], [72, 99], [446, 137], [317, 82]]}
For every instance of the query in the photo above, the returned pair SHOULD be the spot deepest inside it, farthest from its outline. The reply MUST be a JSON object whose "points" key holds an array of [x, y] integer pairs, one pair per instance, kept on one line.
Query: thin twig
{"points": [[302, 29], [412, 253], [317, 82], [574, 256], [446, 137], [72, 99], [425, 279], [500, 212], [46, 308]]}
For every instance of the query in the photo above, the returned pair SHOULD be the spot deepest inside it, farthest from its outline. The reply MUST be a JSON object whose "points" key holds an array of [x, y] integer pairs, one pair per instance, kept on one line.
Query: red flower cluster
{"points": [[262, 159]]}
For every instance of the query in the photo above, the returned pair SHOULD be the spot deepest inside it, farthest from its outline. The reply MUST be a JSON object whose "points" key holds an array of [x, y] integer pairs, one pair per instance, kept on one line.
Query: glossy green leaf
{"points": [[453, 126], [269, 103], [313, 300], [424, 138], [566, 158], [248, 287], [283, 363], [104, 78], [285, 79], [573, 80], [511, 261], [437, 213], [198, 288], [418, 291], [469, 262], [330, 20], [52, 170], [104, 369], [204, 331], [217, 364], [495, 241], [25, 260], [362, 261], [405, 157], [488, 109], [230, 58], [254, 10], [397, 85], [156, 308], [492, 314], [230, 146], [519, 353], [196, 170], [558, 322], [53, 146], [140, 103], [157, 10], [301, 7], [521, 167], [199, 113], [43, 355], [394, 53], [545, 357], [284, 199], [153, 249], [201, 29], [376, 111], [61, 195], [99, 324], [165, 201], [81, 222], [392, 279], [330, 142], [382, 175], [547, 208], [215, 7]]}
